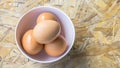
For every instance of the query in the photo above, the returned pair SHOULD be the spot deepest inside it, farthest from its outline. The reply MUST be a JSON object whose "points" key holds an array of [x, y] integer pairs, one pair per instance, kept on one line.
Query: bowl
{"points": [[28, 21]]}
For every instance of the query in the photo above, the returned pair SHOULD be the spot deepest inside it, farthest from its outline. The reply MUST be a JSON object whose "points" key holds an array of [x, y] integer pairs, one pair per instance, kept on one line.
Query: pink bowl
{"points": [[28, 21]]}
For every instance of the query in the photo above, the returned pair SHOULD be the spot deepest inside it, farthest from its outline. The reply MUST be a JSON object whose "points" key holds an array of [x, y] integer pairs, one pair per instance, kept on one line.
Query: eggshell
{"points": [[56, 47], [46, 16], [29, 43], [46, 31]]}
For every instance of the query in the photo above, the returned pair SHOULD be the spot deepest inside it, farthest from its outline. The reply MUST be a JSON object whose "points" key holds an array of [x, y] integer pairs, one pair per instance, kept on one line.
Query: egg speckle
{"points": [[46, 31], [29, 43], [56, 47], [46, 16]]}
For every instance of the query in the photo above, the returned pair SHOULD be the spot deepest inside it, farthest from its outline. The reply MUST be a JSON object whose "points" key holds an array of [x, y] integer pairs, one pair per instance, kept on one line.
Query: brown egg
{"points": [[29, 43], [46, 16], [46, 31], [56, 47]]}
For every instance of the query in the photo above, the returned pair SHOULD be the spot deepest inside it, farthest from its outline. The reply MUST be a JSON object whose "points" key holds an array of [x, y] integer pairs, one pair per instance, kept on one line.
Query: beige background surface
{"points": [[97, 24]]}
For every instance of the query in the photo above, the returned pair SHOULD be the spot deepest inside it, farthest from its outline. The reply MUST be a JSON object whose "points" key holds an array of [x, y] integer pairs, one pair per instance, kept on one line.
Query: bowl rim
{"points": [[51, 7]]}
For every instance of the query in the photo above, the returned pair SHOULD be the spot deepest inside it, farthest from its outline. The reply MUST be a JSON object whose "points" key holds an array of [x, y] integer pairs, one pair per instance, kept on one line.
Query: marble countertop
{"points": [[97, 25]]}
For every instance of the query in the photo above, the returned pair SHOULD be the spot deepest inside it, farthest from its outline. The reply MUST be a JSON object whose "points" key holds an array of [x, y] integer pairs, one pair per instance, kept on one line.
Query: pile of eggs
{"points": [[45, 35]]}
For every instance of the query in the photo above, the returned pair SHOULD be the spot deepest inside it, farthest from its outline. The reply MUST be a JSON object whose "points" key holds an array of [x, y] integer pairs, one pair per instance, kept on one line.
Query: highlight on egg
{"points": [[30, 45], [46, 31], [46, 16], [56, 47]]}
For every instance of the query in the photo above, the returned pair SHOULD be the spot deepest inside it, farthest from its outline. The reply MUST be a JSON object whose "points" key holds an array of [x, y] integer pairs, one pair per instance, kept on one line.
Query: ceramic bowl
{"points": [[28, 21]]}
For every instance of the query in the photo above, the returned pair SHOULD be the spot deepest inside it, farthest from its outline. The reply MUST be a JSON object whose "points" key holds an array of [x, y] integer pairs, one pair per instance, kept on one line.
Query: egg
{"points": [[29, 43], [46, 16], [46, 31], [56, 47]]}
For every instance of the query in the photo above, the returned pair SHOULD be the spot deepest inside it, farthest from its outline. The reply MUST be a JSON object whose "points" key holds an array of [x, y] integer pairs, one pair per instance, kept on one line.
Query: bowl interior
{"points": [[28, 21]]}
